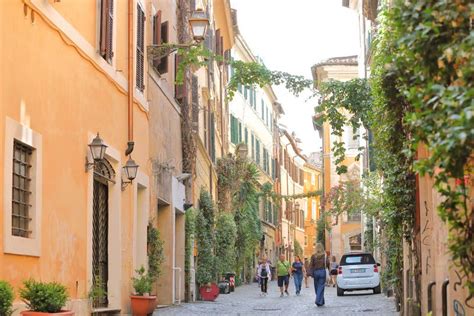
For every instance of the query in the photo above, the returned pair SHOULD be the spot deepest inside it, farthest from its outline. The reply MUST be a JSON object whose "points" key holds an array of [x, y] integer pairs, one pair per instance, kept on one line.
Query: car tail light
{"points": [[376, 268], [339, 270]]}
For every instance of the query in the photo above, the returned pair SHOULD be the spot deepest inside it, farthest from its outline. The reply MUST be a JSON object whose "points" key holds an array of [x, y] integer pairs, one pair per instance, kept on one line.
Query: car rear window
{"points": [[357, 259]]}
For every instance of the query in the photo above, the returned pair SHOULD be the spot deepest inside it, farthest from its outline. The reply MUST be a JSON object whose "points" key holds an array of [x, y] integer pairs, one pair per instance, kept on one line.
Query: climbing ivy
{"points": [[243, 73], [434, 65], [205, 237], [226, 234], [155, 251], [189, 231]]}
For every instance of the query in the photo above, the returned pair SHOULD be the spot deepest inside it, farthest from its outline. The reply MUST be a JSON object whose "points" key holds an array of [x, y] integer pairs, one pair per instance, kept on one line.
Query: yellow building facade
{"points": [[312, 183], [346, 230]]}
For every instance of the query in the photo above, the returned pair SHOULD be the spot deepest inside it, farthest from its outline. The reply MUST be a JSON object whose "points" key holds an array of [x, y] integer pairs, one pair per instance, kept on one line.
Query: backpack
{"points": [[264, 272]]}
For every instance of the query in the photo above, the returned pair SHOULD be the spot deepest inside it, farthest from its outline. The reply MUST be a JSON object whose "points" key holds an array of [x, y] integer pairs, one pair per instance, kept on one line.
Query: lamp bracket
{"points": [[124, 184], [88, 165], [160, 51]]}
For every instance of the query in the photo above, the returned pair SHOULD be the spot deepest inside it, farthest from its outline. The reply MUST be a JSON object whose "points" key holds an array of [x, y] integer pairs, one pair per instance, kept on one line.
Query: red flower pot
{"points": [[61, 313], [142, 305], [209, 292]]}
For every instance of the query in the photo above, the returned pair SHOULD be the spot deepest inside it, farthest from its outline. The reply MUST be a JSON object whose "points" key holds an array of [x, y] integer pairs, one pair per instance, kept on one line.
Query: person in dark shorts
{"points": [[283, 272], [333, 270]]}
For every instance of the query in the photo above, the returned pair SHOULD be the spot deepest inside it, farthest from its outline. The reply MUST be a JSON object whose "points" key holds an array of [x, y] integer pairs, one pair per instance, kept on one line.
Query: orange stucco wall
{"points": [[50, 85]]}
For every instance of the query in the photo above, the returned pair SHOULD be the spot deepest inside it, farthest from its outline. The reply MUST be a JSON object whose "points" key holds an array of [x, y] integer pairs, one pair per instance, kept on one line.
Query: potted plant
{"points": [[142, 302], [96, 293], [44, 298], [6, 298]]}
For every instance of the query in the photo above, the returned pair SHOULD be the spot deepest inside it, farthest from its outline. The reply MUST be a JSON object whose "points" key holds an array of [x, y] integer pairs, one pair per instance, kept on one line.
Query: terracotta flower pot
{"points": [[61, 313], [142, 305], [209, 292]]}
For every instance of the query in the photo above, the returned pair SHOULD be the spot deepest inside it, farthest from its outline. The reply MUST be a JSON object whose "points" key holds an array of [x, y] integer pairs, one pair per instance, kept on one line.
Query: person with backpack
{"points": [[283, 271], [264, 274]]}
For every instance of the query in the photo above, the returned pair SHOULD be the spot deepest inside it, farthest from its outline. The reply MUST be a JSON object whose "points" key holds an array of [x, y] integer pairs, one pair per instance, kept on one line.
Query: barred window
{"points": [[21, 190]]}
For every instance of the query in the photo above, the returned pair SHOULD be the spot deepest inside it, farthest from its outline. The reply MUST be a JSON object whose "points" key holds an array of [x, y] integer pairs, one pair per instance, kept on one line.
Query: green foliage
{"points": [[190, 231], [205, 237], [344, 104], [244, 73], [43, 297], [6, 298], [155, 250], [321, 228], [226, 234], [298, 249], [97, 290], [245, 203], [266, 191], [434, 66], [143, 282]]}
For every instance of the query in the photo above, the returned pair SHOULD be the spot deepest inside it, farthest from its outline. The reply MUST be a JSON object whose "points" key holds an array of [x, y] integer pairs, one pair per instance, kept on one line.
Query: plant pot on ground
{"points": [[6, 298], [142, 303], [43, 298], [209, 292]]}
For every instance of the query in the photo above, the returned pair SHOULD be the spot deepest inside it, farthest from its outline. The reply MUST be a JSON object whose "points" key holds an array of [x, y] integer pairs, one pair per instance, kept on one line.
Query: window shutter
{"points": [[157, 35], [213, 138], [110, 29], [195, 102], [221, 48], [217, 50], [140, 63], [103, 26]]}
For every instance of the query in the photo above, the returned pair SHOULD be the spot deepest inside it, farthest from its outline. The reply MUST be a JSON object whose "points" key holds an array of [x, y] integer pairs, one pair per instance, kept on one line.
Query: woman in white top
{"points": [[264, 274], [333, 270]]}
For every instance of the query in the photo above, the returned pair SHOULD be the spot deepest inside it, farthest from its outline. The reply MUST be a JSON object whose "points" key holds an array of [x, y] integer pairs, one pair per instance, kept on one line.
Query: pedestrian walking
{"points": [[306, 267], [264, 274], [333, 270], [283, 273], [298, 270], [318, 265]]}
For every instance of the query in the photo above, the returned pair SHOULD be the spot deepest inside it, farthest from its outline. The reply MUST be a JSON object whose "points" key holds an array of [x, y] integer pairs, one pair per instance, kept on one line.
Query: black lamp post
{"points": [[130, 169]]}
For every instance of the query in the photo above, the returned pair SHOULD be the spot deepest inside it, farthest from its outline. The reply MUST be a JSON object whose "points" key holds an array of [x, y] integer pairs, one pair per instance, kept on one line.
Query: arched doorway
{"points": [[103, 176]]}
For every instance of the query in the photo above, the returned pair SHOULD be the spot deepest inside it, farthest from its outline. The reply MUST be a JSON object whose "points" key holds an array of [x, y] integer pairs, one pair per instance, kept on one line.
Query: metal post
{"points": [[444, 294], [430, 296]]}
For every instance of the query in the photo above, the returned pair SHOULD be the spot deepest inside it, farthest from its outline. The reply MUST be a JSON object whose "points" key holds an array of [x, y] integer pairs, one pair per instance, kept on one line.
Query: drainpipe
{"points": [[130, 143]]}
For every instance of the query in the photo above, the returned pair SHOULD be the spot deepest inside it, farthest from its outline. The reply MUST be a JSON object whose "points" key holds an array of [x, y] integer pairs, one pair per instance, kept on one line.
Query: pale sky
{"points": [[292, 36]]}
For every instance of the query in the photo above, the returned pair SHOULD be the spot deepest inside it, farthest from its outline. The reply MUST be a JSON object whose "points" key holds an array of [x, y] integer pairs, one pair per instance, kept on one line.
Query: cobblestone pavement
{"points": [[246, 300]]}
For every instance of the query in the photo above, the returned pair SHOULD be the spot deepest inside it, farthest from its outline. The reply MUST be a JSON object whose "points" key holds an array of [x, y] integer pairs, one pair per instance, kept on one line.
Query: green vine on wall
{"points": [[434, 65], [155, 251], [189, 236]]}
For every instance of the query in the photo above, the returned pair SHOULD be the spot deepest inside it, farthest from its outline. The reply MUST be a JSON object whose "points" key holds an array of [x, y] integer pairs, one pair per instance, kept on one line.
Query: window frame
{"points": [[12, 244]]}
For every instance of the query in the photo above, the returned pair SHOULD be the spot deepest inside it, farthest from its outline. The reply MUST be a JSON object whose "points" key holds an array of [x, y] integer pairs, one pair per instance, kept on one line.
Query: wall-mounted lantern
{"points": [[97, 148], [130, 169]]}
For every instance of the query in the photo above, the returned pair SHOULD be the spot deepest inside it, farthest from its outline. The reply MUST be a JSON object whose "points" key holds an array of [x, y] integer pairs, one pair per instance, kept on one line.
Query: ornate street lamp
{"points": [[199, 23], [130, 169], [97, 148]]}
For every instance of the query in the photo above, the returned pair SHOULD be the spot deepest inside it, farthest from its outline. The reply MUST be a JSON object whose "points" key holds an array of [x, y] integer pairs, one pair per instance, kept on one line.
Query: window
{"points": [[140, 70], [161, 30], [354, 217], [234, 130], [212, 133], [246, 136], [239, 134], [252, 149], [156, 40], [21, 189], [106, 29], [265, 159], [313, 209], [262, 114], [305, 241], [313, 179], [257, 151]]}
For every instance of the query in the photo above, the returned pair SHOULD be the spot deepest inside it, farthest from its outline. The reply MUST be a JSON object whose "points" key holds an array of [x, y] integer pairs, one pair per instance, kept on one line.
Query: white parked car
{"points": [[358, 271]]}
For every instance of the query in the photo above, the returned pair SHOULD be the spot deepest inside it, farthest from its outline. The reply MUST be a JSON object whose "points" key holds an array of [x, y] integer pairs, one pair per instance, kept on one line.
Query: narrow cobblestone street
{"points": [[246, 300]]}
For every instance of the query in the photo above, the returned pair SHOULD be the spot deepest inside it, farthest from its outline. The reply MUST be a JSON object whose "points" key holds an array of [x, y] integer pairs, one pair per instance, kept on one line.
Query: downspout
{"points": [[130, 143]]}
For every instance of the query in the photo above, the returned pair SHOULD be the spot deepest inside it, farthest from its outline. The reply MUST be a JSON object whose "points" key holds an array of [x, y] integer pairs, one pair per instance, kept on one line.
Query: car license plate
{"points": [[357, 270]]}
